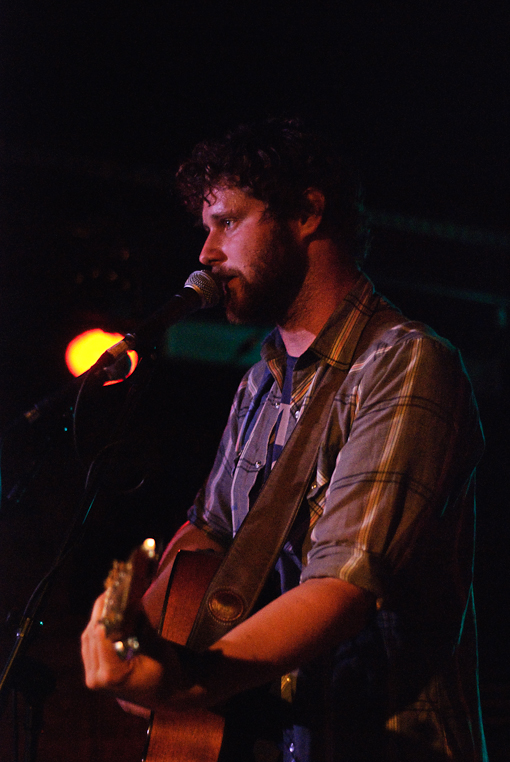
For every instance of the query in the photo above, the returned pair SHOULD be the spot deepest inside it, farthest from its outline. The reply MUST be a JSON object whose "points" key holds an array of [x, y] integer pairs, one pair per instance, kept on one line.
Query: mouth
{"points": [[224, 280], [227, 291]]}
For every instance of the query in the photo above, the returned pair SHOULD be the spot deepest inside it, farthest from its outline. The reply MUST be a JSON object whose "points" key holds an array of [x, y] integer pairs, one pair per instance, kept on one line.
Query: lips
{"points": [[224, 280], [226, 289]]}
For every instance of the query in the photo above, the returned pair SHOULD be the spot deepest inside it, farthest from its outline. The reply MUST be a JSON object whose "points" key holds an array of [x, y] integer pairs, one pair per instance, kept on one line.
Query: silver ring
{"points": [[126, 649]]}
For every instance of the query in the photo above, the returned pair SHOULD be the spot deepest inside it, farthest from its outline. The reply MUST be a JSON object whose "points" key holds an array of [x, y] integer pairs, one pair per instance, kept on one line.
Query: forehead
{"points": [[225, 200]]}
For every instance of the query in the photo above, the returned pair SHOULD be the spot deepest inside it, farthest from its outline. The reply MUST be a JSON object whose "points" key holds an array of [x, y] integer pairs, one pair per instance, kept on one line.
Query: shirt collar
{"points": [[338, 339]]}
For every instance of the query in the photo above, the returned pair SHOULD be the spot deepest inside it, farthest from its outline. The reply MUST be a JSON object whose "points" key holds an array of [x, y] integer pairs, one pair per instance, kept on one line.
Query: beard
{"points": [[278, 276]]}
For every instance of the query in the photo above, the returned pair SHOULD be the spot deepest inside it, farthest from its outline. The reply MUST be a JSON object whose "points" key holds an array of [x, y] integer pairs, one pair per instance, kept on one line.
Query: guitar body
{"points": [[190, 736]]}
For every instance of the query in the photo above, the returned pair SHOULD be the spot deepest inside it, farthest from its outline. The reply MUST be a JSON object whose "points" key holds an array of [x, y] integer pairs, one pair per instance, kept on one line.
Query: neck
{"points": [[326, 284]]}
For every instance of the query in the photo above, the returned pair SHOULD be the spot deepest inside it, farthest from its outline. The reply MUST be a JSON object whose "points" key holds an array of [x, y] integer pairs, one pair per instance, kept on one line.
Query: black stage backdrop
{"points": [[99, 103]]}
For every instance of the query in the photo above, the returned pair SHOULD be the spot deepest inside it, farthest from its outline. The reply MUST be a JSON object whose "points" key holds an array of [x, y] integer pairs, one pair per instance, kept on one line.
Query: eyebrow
{"points": [[215, 216]]}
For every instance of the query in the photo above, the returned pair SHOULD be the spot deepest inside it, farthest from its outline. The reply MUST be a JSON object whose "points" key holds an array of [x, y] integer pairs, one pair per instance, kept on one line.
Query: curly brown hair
{"points": [[277, 161]]}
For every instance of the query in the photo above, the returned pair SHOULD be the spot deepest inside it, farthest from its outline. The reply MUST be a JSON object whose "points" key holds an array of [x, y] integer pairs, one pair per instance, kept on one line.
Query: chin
{"points": [[232, 311], [234, 319]]}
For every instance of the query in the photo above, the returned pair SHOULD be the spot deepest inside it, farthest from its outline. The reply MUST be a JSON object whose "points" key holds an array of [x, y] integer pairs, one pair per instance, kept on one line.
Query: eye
{"points": [[227, 223]]}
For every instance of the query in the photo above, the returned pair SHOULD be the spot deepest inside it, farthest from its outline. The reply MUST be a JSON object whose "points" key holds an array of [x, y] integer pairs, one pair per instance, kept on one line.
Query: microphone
{"points": [[200, 291]]}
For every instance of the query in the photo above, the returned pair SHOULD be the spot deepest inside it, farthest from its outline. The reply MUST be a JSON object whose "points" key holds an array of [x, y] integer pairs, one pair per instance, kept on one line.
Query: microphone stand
{"points": [[200, 291], [14, 675]]}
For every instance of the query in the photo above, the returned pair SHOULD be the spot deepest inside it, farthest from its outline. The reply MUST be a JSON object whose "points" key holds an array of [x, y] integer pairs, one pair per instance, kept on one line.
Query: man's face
{"points": [[258, 260]]}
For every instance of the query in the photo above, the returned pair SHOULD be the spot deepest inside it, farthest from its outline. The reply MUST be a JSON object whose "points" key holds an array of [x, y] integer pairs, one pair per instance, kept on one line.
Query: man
{"points": [[374, 619]]}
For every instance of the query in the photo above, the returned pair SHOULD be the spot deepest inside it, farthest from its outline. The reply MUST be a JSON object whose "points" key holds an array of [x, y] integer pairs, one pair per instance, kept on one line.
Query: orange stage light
{"points": [[83, 351]]}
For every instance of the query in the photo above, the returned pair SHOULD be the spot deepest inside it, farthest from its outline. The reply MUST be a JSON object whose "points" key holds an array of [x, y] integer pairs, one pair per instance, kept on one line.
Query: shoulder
{"points": [[411, 341], [409, 366], [389, 333]]}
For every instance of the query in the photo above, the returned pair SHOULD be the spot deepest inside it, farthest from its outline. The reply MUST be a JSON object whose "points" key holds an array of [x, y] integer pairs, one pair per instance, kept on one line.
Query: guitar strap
{"points": [[243, 573]]}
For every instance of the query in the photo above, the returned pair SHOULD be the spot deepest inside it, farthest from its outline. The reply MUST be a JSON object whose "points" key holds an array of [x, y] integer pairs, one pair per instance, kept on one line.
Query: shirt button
{"points": [[296, 414], [258, 464]]}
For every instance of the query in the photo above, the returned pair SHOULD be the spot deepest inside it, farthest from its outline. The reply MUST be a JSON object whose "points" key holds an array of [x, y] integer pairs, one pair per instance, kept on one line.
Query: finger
{"points": [[88, 646], [130, 708], [103, 668], [90, 654], [98, 609]]}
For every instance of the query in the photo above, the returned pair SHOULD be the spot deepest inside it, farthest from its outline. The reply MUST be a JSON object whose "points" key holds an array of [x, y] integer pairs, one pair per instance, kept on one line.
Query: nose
{"points": [[211, 253]]}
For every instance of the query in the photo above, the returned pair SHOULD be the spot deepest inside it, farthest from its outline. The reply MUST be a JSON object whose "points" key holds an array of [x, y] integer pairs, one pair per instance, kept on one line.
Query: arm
{"points": [[285, 634]]}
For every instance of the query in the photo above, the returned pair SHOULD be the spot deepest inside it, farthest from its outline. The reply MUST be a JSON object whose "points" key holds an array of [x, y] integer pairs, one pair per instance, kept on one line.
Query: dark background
{"points": [[98, 104]]}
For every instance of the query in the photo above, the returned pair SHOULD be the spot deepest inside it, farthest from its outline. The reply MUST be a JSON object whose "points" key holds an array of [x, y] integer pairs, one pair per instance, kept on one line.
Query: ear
{"points": [[307, 224]]}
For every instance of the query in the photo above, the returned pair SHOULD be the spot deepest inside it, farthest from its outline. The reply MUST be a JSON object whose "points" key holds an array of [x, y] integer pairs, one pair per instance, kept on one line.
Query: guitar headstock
{"points": [[125, 586]]}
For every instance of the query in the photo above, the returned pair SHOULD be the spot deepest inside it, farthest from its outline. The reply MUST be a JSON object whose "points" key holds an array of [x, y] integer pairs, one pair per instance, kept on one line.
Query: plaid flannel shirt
{"points": [[390, 509]]}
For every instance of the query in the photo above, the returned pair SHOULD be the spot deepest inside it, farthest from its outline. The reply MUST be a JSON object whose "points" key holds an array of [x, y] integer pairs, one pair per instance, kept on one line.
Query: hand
{"points": [[103, 667], [137, 679]]}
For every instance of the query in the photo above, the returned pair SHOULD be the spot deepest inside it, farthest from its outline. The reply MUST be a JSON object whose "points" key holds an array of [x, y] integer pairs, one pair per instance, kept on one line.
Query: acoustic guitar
{"points": [[171, 605]]}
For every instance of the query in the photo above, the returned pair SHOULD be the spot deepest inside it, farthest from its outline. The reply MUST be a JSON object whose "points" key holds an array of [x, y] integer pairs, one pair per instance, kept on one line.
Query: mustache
{"points": [[223, 276]]}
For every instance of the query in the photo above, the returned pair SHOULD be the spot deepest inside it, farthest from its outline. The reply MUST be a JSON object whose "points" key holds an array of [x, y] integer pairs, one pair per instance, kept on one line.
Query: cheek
{"points": [[247, 257]]}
